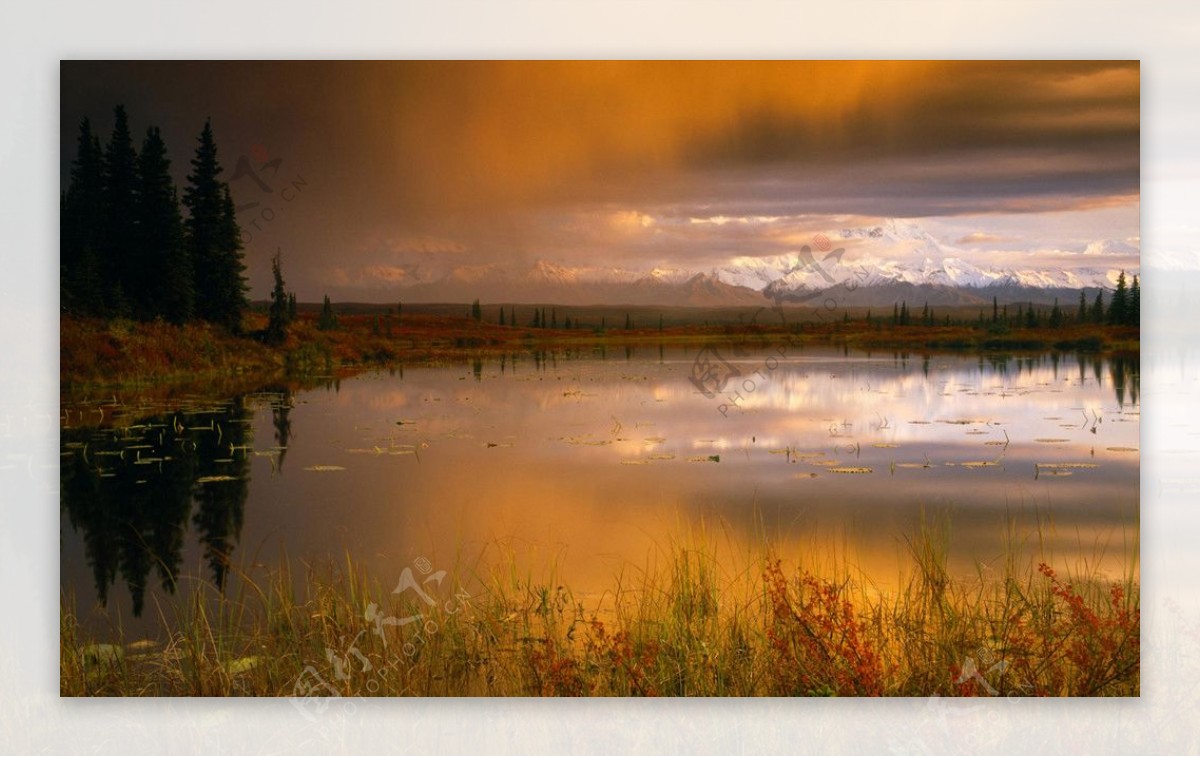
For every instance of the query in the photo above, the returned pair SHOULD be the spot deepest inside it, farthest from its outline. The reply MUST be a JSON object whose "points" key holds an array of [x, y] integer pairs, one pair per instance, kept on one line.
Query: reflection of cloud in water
{"points": [[574, 423], [538, 459]]}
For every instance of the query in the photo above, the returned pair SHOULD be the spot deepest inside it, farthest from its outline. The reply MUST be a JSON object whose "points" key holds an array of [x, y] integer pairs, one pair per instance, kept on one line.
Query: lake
{"points": [[589, 462]]}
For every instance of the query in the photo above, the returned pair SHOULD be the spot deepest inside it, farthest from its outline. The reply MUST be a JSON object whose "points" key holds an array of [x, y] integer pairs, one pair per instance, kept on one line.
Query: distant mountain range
{"points": [[892, 262]]}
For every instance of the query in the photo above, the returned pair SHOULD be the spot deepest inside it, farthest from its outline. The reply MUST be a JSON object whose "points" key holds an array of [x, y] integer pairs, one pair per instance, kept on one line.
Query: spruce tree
{"points": [[1082, 315], [161, 283], [214, 239], [476, 311], [233, 280], [1098, 308], [327, 321], [1117, 310], [119, 264], [1133, 315], [81, 280], [501, 316], [277, 318]]}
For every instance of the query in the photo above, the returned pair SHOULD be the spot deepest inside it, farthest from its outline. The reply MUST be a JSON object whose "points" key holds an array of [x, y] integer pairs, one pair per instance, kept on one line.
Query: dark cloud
{"points": [[482, 160]]}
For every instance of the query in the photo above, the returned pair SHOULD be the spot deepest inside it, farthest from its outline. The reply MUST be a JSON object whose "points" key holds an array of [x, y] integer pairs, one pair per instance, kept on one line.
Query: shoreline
{"points": [[101, 357]]}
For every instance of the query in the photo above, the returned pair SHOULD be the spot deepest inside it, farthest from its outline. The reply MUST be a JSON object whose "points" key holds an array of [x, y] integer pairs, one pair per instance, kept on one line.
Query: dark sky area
{"points": [[377, 167]]}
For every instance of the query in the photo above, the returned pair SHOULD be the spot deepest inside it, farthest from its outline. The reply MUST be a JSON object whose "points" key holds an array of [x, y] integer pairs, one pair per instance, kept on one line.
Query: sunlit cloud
{"points": [[412, 167]]}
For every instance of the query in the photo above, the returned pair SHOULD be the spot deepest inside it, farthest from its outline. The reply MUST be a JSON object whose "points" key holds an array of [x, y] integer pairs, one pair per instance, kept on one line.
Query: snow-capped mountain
{"points": [[882, 264]]}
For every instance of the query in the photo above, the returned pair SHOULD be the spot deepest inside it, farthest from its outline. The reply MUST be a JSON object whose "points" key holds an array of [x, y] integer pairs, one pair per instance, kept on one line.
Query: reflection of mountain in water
{"points": [[131, 491]]}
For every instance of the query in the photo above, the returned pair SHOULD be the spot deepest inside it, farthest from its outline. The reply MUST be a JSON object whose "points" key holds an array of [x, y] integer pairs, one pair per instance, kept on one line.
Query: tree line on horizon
{"points": [[1123, 309], [127, 249]]}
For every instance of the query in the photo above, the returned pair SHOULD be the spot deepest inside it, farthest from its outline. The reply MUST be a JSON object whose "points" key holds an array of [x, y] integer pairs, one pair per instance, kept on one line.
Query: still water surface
{"points": [[594, 462]]}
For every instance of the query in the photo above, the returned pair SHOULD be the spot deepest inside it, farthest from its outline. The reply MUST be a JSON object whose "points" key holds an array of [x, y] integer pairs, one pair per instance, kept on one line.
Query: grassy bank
{"points": [[699, 621], [99, 356]]}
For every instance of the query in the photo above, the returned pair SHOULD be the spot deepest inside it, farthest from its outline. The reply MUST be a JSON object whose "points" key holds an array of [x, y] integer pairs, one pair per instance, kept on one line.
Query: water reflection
{"points": [[591, 461], [130, 492]]}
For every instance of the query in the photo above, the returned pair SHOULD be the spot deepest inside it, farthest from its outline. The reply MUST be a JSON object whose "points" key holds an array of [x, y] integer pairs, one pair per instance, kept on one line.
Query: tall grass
{"points": [[700, 618]]}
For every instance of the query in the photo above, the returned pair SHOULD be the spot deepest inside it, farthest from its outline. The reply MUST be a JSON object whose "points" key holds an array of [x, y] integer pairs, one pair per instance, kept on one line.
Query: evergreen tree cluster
{"points": [[1126, 306], [126, 248]]}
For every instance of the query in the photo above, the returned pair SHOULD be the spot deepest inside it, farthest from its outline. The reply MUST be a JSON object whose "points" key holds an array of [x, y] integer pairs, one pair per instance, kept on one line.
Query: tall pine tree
{"points": [[1117, 314], [119, 264], [1133, 314], [1098, 308], [233, 279], [81, 281], [214, 239], [161, 283], [278, 314]]}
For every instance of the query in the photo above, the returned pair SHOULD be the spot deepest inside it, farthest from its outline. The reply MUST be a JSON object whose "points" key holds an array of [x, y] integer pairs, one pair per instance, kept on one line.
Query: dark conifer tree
{"points": [[1133, 315], [1098, 308], [81, 228], [328, 319], [214, 239], [161, 282], [277, 318], [119, 264], [1118, 309], [1082, 315], [233, 268]]}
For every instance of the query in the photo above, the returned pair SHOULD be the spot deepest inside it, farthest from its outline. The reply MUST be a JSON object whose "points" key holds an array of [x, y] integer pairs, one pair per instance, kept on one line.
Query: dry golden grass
{"points": [[705, 619]]}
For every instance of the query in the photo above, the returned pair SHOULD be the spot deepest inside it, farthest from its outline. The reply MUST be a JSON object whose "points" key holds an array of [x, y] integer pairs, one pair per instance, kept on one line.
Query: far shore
{"points": [[106, 356]]}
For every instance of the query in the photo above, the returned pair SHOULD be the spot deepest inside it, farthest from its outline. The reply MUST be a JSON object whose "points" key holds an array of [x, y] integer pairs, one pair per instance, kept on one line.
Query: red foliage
{"points": [[617, 653], [817, 640], [555, 674], [1102, 643]]}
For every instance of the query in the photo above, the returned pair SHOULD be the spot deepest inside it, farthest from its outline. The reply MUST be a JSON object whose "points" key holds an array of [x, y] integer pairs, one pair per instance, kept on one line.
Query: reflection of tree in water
{"points": [[1126, 372], [130, 492], [220, 503], [281, 409]]}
